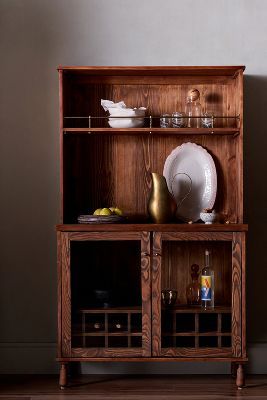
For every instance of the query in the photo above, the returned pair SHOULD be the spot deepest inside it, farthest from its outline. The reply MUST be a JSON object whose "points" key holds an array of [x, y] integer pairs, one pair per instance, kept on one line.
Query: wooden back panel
{"points": [[109, 169]]}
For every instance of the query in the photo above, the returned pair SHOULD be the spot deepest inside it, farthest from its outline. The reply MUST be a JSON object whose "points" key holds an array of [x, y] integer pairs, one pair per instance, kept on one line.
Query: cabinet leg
{"points": [[63, 379], [233, 369], [240, 376]]}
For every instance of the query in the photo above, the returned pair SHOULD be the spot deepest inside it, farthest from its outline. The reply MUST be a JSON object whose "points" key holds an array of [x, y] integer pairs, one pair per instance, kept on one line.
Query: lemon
{"points": [[97, 211], [105, 211], [118, 211]]}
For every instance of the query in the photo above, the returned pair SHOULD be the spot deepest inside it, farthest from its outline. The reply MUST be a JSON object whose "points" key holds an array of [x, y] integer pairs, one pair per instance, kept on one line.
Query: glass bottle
{"points": [[193, 290], [207, 284], [193, 109]]}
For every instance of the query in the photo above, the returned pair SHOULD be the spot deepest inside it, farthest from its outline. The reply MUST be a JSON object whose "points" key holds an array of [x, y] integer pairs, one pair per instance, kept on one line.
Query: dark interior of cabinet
{"points": [[106, 294], [177, 258], [109, 170], [105, 274]]}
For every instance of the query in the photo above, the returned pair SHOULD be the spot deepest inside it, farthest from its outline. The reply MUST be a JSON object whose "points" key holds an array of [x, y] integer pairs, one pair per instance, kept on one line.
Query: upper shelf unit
{"points": [[162, 90], [102, 166]]}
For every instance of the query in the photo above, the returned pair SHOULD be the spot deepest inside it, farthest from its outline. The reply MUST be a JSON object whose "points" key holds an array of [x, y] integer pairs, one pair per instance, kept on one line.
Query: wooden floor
{"points": [[155, 387]]}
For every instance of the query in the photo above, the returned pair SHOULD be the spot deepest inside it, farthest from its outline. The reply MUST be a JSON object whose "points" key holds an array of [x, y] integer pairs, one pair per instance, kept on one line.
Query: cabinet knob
{"points": [[145, 254], [157, 255]]}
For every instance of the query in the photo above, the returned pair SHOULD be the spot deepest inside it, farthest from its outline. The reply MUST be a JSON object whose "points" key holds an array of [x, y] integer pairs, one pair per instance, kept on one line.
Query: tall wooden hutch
{"points": [[103, 166]]}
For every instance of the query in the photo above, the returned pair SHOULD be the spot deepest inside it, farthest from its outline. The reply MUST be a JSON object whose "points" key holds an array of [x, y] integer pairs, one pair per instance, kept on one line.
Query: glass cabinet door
{"points": [[182, 327], [105, 289]]}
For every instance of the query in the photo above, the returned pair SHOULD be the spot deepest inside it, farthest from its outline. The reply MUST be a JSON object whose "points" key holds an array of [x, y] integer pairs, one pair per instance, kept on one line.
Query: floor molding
{"points": [[39, 358]]}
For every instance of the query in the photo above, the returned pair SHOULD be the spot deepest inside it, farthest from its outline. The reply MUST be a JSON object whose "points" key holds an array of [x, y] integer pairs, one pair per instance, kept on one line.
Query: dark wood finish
{"points": [[67, 348], [63, 379], [196, 353], [198, 310], [146, 294], [240, 376], [107, 352], [236, 297], [158, 131], [153, 359], [113, 310], [66, 296], [243, 300], [59, 295], [203, 236], [152, 227], [156, 70], [94, 159], [156, 294], [101, 166]]}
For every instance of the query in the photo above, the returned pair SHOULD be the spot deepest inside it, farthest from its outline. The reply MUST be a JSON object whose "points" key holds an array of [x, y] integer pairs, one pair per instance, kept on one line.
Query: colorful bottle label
{"points": [[205, 288]]}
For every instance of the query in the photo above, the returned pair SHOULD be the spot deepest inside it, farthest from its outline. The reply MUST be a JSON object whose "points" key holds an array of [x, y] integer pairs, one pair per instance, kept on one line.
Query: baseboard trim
{"points": [[39, 358]]}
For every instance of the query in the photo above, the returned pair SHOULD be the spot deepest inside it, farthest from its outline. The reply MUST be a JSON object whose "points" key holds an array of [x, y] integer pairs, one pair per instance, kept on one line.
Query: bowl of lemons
{"points": [[105, 215]]}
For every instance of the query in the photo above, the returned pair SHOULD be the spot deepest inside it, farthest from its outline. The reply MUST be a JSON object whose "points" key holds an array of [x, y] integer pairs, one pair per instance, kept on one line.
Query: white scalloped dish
{"points": [[186, 163]]}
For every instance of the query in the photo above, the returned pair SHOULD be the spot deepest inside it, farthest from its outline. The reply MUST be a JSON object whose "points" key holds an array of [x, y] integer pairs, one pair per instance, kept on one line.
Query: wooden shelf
{"points": [[152, 227], [118, 334], [158, 131], [198, 310], [198, 334], [111, 310]]}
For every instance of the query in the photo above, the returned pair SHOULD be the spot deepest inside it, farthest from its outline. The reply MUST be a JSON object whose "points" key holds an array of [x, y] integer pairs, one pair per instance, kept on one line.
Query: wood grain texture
{"points": [[196, 353], [240, 376], [115, 170], [237, 296], [192, 236], [106, 352], [178, 256], [107, 170], [244, 307], [85, 236], [155, 70], [61, 124], [153, 359], [156, 294], [66, 296], [113, 167], [63, 378], [59, 295], [137, 227], [154, 131], [146, 294]]}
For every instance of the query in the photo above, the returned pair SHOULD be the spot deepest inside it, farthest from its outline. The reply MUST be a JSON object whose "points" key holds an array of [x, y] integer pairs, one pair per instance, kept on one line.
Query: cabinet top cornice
{"points": [[155, 70]]}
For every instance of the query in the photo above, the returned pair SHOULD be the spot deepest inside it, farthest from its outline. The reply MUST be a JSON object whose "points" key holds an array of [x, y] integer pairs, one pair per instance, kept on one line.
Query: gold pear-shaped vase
{"points": [[161, 205]]}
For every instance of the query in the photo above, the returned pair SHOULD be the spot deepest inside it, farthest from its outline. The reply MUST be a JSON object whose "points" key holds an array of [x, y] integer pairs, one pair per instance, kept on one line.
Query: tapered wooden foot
{"points": [[63, 379], [233, 369], [240, 376]]}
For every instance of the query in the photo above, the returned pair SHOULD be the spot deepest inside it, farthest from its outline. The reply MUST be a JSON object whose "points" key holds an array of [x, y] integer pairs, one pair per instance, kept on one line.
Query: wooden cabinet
{"points": [[111, 275]]}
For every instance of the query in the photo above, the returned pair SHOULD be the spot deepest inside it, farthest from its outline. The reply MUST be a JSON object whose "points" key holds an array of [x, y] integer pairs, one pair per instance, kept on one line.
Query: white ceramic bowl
{"points": [[208, 218], [126, 122]]}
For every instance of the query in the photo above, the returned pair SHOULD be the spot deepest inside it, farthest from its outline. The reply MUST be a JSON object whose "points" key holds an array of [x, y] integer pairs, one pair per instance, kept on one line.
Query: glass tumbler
{"points": [[207, 120], [165, 121], [178, 119]]}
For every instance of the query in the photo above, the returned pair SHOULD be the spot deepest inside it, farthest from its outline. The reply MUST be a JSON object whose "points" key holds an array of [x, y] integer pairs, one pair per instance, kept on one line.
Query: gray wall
{"points": [[38, 35]]}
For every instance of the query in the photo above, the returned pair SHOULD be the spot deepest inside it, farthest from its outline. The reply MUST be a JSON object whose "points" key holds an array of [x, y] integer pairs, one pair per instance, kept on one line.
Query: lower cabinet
{"points": [[110, 297]]}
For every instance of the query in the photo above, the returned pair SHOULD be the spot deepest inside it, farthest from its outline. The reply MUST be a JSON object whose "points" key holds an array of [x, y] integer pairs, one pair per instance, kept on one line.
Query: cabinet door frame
{"points": [[64, 295], [238, 328]]}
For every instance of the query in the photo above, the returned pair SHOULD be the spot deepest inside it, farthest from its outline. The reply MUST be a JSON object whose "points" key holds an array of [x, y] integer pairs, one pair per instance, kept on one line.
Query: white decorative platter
{"points": [[191, 177]]}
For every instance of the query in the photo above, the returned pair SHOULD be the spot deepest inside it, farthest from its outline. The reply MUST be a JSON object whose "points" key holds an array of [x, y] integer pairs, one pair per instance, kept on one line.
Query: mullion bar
{"points": [[197, 331], [129, 329], [219, 329], [106, 329]]}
